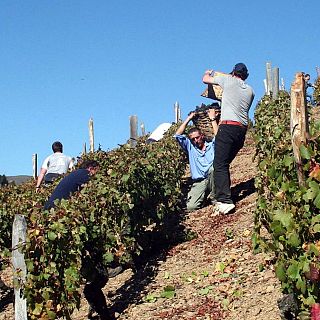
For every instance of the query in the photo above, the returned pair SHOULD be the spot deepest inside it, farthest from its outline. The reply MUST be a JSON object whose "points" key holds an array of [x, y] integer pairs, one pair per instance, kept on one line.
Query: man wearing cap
{"points": [[236, 101]]}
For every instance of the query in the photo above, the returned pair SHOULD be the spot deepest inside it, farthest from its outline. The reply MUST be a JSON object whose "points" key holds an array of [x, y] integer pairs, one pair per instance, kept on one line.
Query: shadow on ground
{"points": [[146, 266], [6, 297], [242, 190]]}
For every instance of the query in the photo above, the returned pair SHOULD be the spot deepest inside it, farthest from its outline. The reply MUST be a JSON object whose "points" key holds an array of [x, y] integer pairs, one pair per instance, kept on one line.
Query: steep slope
{"points": [[214, 276]]}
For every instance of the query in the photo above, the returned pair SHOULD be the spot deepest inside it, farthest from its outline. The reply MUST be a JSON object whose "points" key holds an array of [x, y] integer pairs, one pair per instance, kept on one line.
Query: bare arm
{"points": [[40, 178], [212, 115], [185, 123]]}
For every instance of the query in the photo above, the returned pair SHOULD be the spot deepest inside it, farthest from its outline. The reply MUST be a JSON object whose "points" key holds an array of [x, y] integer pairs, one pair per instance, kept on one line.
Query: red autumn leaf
{"points": [[315, 311], [315, 172]]}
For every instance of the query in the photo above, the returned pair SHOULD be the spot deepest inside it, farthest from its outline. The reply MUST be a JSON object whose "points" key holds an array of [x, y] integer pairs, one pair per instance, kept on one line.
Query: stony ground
{"points": [[214, 276]]}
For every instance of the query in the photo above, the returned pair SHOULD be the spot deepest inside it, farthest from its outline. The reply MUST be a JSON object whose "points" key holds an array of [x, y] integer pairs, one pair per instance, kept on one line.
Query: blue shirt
{"points": [[200, 161], [67, 186]]}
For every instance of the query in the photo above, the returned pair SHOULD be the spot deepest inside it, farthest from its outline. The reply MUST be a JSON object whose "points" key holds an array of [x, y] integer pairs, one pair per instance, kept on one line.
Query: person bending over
{"points": [[73, 182], [96, 275]]}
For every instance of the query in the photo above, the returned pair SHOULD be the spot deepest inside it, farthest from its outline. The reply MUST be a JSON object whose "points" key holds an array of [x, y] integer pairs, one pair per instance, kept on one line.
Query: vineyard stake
{"points": [[133, 130], [34, 166], [177, 114], [19, 230], [143, 129], [269, 78], [275, 83], [299, 127], [91, 135]]}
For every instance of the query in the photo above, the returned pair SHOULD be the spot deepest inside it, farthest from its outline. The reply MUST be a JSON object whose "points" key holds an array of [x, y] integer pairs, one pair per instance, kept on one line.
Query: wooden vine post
{"points": [[133, 130], [34, 166], [19, 230], [275, 83], [299, 127], [91, 135], [269, 78], [143, 129], [177, 112]]}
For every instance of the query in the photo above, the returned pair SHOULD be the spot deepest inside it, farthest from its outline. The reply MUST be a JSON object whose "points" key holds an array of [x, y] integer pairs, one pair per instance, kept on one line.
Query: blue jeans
{"points": [[228, 142]]}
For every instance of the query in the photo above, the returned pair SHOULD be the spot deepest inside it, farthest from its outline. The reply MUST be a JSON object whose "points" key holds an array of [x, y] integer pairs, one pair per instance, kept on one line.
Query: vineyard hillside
{"points": [[213, 276]]}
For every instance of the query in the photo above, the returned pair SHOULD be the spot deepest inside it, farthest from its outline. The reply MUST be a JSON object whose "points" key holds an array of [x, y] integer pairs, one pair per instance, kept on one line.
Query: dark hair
{"points": [[192, 130], [241, 75], [57, 146], [240, 70], [89, 164]]}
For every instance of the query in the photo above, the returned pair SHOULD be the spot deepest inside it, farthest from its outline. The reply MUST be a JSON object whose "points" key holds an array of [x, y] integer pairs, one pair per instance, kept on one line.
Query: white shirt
{"points": [[57, 163]]}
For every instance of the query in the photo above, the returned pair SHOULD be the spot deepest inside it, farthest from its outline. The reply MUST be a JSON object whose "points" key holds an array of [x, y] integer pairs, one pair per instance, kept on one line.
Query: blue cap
{"points": [[241, 69]]}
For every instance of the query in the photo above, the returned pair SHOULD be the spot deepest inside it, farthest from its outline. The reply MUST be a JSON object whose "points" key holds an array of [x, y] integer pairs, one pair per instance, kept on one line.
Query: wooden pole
{"points": [[133, 130], [265, 86], [299, 121], [84, 149], [269, 77], [34, 166], [143, 130], [176, 112], [275, 83], [91, 135], [19, 230]]}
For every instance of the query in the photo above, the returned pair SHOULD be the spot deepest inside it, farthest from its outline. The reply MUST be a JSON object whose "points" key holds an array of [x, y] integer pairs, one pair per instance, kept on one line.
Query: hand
{"points": [[191, 115], [208, 72], [212, 113], [37, 189]]}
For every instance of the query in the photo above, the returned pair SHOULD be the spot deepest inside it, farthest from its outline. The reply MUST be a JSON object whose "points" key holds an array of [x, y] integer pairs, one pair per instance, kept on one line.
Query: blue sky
{"points": [[63, 62]]}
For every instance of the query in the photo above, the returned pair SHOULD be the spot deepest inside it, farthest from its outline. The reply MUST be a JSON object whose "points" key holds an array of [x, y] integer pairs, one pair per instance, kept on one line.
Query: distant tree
{"points": [[3, 180]]}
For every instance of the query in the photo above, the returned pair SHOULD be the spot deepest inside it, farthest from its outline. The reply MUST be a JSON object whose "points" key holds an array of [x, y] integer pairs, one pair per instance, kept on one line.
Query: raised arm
{"points": [[185, 123], [213, 117]]}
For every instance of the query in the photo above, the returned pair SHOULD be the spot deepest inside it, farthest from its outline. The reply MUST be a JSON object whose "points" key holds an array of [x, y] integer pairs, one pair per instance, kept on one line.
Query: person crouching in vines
{"points": [[96, 274]]}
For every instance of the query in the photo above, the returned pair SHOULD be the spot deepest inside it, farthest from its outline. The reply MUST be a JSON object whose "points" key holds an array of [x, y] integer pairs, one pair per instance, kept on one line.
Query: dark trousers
{"points": [[96, 299], [97, 278], [50, 177], [228, 142]]}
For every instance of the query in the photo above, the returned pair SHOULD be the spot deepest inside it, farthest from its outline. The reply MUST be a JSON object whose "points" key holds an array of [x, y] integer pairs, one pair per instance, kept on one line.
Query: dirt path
{"points": [[215, 276]]}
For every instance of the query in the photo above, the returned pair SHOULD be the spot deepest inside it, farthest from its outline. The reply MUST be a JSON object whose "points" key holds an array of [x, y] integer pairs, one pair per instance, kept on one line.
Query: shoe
{"points": [[112, 272], [215, 210], [214, 202], [225, 207]]}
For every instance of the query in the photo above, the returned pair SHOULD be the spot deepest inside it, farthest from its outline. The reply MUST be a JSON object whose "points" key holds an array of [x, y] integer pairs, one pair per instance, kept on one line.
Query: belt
{"points": [[233, 123], [198, 179]]}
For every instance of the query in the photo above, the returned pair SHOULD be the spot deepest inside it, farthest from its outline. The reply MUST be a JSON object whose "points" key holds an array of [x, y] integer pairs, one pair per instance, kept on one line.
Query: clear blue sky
{"points": [[63, 62]]}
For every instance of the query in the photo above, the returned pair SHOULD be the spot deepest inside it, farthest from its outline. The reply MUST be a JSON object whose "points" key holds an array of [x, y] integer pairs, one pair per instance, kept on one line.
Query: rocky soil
{"points": [[214, 276]]}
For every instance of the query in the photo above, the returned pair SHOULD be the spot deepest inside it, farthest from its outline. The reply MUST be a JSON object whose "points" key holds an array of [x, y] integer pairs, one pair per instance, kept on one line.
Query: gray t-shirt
{"points": [[57, 163], [236, 99]]}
